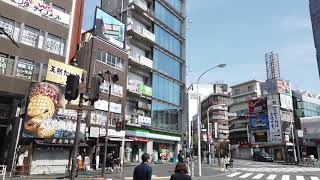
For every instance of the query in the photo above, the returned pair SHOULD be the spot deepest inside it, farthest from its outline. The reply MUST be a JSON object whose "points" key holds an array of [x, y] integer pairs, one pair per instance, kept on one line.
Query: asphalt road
{"points": [[242, 170]]}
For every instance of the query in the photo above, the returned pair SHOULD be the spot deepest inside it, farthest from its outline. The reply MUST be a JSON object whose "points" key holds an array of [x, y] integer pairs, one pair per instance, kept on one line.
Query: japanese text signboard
{"points": [[274, 118], [58, 72]]}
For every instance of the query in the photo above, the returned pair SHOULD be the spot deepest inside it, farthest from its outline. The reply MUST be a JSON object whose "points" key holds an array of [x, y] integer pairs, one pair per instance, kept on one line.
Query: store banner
{"points": [[103, 105], [143, 120], [146, 134], [41, 8], [274, 118], [286, 102], [46, 113], [58, 72], [145, 90]]}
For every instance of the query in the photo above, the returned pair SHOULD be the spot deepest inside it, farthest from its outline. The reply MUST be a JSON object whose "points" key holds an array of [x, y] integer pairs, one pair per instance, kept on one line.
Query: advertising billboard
{"points": [[46, 115], [275, 86], [274, 118], [109, 28], [286, 102], [259, 122]]}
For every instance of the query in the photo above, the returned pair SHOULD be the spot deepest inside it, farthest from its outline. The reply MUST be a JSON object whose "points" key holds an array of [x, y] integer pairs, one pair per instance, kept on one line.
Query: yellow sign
{"points": [[57, 71]]}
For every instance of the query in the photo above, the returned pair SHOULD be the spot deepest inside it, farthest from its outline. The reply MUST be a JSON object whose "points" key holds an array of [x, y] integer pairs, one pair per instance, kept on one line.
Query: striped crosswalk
{"points": [[262, 176]]}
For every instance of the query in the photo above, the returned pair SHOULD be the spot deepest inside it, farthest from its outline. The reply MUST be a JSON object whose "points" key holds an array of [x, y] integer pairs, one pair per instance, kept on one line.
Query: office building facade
{"points": [[314, 6], [244, 96], [41, 32], [155, 39]]}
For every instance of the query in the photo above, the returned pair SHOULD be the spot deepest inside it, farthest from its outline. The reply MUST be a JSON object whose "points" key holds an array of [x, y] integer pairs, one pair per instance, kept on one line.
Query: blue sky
{"points": [[239, 33]]}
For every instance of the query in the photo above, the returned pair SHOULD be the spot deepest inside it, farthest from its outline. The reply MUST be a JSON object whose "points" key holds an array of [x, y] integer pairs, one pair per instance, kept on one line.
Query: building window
{"points": [[6, 64], [250, 88], [165, 116], [176, 4], [236, 91], [171, 93], [110, 60], [10, 27], [26, 69], [167, 17], [167, 41], [166, 65], [55, 44], [32, 37], [58, 8]]}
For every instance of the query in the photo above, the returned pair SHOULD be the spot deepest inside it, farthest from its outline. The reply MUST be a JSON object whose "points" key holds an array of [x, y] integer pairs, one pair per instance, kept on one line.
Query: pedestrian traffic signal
{"points": [[118, 126], [72, 87], [95, 89]]}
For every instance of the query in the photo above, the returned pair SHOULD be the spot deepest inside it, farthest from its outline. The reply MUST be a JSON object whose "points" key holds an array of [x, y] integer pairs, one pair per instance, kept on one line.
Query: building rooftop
{"points": [[246, 82]]}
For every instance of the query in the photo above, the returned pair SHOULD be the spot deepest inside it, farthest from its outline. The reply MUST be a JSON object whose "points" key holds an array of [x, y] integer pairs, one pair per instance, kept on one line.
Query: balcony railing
{"points": [[141, 5], [142, 60], [141, 31]]}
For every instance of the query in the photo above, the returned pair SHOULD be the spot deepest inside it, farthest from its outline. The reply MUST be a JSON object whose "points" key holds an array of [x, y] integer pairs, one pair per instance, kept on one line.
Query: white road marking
{"points": [[299, 177], [314, 178], [258, 176], [285, 177], [233, 174], [245, 175], [271, 177]]}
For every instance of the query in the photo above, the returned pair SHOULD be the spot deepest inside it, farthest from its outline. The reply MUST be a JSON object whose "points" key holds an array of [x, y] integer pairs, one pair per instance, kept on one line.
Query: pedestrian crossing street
{"points": [[262, 176], [279, 169]]}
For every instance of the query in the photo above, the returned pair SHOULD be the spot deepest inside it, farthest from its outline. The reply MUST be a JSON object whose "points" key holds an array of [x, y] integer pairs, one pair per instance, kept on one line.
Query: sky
{"points": [[240, 32]]}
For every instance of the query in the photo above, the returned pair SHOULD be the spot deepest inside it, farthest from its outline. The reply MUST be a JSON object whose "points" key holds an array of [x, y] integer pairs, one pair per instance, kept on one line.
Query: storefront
{"points": [[154, 143]]}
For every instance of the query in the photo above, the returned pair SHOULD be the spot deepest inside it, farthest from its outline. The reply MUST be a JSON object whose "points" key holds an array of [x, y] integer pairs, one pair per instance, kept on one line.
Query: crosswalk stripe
{"points": [[245, 175], [314, 178], [233, 174], [258, 176], [271, 177], [285, 177], [299, 177]]}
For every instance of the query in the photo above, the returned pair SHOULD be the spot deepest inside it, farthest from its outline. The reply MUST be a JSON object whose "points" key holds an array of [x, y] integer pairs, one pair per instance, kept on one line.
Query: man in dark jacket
{"points": [[180, 157], [143, 171]]}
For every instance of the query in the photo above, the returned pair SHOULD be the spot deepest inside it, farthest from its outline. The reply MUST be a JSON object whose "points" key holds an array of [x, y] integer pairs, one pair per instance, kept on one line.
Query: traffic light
{"points": [[72, 87], [118, 126], [95, 89]]}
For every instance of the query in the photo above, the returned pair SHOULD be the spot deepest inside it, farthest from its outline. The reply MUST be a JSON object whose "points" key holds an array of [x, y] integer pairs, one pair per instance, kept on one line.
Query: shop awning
{"points": [[43, 143]]}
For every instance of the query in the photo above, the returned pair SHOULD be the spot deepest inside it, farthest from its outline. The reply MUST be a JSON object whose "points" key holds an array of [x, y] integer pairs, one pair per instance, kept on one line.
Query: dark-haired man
{"points": [[143, 171]]}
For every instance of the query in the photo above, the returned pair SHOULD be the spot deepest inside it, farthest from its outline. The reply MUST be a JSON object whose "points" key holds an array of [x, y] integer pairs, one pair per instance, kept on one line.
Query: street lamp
{"points": [[198, 110]]}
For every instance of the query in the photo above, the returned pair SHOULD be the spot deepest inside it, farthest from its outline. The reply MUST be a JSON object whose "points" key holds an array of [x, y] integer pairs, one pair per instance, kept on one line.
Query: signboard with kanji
{"points": [[274, 118]]}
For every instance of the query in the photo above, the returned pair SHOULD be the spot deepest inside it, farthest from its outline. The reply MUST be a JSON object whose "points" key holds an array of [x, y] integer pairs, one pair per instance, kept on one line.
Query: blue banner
{"points": [[259, 122]]}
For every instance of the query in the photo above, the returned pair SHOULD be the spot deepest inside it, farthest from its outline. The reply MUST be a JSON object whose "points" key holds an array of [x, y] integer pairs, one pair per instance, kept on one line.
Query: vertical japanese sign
{"points": [[274, 118]]}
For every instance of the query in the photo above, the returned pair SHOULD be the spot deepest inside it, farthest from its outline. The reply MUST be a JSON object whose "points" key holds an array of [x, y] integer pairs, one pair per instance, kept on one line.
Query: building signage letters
{"points": [[274, 118], [41, 8]]}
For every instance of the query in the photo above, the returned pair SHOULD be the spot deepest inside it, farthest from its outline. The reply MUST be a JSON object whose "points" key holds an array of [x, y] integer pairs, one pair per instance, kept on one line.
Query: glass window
{"points": [[176, 4], [25, 69], [165, 116], [171, 92], [55, 44], [10, 27], [6, 64], [167, 17], [110, 60], [166, 65], [167, 41], [31, 36]]}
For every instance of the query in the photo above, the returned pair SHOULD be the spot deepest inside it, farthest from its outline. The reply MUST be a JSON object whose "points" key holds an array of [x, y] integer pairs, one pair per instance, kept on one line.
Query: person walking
{"points": [[180, 157], [143, 171], [180, 172]]}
